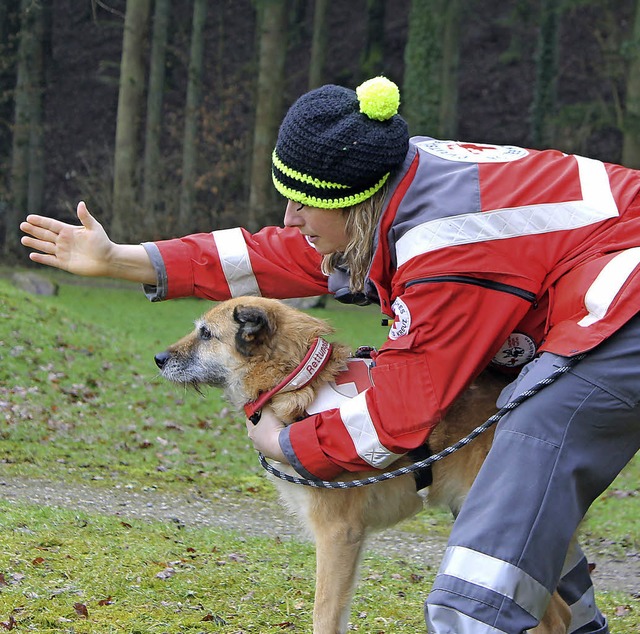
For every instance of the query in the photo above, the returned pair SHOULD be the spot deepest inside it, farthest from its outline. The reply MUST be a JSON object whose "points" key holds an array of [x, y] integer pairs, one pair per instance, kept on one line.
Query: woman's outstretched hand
{"points": [[85, 249], [82, 249]]}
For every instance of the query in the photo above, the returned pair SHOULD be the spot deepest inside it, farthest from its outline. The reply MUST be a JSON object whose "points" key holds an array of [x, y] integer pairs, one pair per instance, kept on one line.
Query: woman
{"points": [[466, 246]]}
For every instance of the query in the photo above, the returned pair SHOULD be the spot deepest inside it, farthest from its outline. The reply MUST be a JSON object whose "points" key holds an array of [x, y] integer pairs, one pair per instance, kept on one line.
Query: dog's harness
{"points": [[307, 370], [314, 361]]}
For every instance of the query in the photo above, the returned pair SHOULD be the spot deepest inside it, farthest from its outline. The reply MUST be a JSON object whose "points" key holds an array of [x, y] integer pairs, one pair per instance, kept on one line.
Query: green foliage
{"points": [[574, 124]]}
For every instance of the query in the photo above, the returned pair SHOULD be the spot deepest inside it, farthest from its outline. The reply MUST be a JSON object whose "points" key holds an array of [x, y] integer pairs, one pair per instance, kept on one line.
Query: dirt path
{"points": [[257, 518]]}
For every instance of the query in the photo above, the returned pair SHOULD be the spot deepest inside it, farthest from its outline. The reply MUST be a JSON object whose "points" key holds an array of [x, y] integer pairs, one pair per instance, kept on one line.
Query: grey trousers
{"points": [[512, 543]]}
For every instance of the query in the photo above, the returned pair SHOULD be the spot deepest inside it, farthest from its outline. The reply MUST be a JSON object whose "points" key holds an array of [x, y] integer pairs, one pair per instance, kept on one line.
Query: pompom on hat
{"points": [[336, 147]]}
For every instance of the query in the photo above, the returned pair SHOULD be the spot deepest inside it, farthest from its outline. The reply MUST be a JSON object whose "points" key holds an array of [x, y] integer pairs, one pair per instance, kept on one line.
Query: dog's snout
{"points": [[161, 359]]}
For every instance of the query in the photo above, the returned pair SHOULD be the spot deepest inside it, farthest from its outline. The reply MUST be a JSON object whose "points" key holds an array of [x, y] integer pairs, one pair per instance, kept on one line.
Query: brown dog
{"points": [[248, 345]]}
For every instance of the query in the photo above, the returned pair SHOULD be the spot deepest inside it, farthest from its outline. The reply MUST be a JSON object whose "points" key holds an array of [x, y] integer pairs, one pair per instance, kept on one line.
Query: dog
{"points": [[249, 345]]}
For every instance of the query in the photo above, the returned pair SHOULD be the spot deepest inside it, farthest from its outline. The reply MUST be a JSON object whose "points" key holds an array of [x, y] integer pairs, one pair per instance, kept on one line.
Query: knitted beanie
{"points": [[336, 147]]}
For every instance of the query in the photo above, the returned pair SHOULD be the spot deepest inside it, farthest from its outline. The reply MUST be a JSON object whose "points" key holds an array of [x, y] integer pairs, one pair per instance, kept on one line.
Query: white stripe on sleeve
{"points": [[235, 262]]}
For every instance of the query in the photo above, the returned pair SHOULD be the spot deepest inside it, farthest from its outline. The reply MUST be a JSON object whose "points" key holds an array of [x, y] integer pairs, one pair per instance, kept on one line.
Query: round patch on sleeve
{"points": [[472, 152], [517, 350], [402, 323]]}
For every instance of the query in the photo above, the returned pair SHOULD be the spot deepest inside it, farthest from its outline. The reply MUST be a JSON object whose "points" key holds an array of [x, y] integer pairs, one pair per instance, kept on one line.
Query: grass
{"points": [[72, 572], [77, 572], [86, 401], [80, 401]]}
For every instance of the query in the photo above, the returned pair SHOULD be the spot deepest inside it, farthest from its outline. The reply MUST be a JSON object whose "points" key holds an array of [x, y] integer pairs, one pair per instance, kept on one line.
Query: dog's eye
{"points": [[204, 333]]}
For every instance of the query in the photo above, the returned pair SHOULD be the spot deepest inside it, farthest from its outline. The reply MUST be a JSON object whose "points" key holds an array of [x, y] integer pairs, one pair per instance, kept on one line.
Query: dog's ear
{"points": [[255, 327]]}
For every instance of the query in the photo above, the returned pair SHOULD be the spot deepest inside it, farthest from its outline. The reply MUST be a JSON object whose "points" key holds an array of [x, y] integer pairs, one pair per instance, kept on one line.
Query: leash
{"points": [[422, 464]]}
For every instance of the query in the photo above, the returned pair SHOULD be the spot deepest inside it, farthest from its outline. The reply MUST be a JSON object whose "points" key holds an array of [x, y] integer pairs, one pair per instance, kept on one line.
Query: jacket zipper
{"points": [[490, 284]]}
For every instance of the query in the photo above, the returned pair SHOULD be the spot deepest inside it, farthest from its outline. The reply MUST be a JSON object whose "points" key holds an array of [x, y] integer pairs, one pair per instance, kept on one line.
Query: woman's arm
{"points": [[85, 249]]}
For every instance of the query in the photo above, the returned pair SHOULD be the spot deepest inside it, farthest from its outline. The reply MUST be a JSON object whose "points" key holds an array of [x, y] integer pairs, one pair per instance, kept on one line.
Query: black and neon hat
{"points": [[336, 147]]}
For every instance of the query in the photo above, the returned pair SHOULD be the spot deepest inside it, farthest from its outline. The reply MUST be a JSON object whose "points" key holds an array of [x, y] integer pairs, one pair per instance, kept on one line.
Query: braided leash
{"points": [[327, 484]]}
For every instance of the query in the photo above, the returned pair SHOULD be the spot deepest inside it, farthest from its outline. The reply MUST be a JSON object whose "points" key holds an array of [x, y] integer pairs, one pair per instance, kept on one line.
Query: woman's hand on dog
{"points": [[84, 249], [266, 435]]}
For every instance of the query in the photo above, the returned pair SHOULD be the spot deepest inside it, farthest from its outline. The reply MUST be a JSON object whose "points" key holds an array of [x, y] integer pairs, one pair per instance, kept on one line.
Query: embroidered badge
{"points": [[402, 323], [517, 350], [472, 152]]}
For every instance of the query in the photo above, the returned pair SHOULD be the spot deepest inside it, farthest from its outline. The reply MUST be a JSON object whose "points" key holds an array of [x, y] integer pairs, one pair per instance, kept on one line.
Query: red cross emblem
{"points": [[356, 377], [472, 147]]}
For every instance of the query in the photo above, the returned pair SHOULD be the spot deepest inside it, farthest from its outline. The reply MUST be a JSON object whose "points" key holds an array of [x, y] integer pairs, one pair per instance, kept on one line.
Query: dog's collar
{"points": [[311, 365]]}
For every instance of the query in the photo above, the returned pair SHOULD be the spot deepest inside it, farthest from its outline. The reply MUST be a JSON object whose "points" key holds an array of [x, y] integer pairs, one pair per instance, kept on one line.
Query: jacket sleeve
{"points": [[443, 336], [274, 262]]}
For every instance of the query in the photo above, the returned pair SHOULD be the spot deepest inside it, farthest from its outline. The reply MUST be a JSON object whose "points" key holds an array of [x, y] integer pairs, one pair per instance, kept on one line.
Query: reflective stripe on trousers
{"points": [[514, 531]]}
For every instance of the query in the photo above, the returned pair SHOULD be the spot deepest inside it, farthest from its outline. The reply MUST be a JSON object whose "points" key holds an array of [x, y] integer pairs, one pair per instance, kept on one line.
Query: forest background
{"points": [[163, 115]]}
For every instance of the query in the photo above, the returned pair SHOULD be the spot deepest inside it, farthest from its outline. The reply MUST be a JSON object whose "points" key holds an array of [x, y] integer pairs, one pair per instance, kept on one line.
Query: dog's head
{"points": [[245, 346]]}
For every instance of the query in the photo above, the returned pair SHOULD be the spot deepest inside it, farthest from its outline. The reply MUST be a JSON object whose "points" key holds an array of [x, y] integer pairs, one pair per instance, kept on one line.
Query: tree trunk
{"points": [[631, 141], [20, 147], [27, 159], [155, 95], [430, 88], [273, 43], [190, 144], [544, 100], [421, 91], [373, 56], [9, 27], [448, 117], [125, 224], [318, 44], [41, 53]]}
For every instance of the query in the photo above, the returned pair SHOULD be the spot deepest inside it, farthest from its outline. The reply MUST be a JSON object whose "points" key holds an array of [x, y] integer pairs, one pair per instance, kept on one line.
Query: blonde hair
{"points": [[361, 224]]}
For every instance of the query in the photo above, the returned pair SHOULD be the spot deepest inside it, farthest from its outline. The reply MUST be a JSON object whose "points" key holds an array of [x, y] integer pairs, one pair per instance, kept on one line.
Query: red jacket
{"points": [[476, 243]]}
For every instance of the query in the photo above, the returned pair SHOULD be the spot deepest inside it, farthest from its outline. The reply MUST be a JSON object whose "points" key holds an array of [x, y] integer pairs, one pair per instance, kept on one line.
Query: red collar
{"points": [[310, 366]]}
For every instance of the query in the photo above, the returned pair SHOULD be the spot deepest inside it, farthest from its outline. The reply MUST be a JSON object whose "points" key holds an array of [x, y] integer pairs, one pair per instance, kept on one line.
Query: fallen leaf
{"points": [[81, 610], [37, 561], [621, 493], [218, 620], [623, 610], [10, 624], [107, 601], [167, 573]]}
